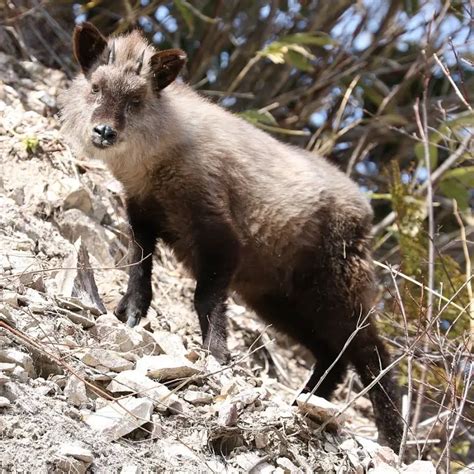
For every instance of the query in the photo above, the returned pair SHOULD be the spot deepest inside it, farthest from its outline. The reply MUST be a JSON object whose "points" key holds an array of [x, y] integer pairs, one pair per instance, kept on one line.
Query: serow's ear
{"points": [[88, 44], [165, 66]]}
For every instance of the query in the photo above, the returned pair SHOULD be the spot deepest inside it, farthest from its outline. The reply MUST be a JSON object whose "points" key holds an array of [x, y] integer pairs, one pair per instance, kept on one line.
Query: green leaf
{"points": [[298, 60], [432, 150], [312, 39], [457, 183], [294, 54], [255, 116], [465, 120], [31, 144], [266, 121], [186, 13]]}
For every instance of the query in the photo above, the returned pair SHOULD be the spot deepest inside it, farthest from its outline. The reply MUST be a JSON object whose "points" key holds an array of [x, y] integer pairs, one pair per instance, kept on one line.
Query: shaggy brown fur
{"points": [[283, 228]]}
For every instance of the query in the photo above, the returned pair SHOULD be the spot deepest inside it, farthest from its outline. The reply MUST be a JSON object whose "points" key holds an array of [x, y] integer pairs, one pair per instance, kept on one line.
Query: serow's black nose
{"points": [[105, 133]]}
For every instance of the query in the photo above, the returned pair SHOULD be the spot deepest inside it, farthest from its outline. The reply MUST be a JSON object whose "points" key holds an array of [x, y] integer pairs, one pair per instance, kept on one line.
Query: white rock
{"points": [[175, 450], [196, 397], [156, 431], [136, 381], [246, 397], [4, 402], [170, 343], [384, 455], [384, 468], [6, 314], [166, 367], [120, 418], [420, 467], [7, 367], [69, 464], [10, 297], [19, 358], [20, 374], [318, 408], [228, 414], [78, 198], [75, 391], [266, 468], [3, 378], [261, 440], [248, 460], [130, 469], [288, 466], [124, 339], [108, 320], [77, 451], [109, 359]]}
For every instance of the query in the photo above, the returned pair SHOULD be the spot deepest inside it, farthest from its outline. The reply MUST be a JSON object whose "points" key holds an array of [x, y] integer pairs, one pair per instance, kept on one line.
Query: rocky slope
{"points": [[79, 391]]}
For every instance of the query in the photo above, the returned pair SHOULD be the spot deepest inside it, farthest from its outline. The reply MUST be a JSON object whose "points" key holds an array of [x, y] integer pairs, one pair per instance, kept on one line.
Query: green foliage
{"points": [[457, 183], [448, 131], [31, 144], [291, 49]]}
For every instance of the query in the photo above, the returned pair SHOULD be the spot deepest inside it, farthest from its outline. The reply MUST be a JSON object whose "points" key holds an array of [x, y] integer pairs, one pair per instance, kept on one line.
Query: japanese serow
{"points": [[284, 229]]}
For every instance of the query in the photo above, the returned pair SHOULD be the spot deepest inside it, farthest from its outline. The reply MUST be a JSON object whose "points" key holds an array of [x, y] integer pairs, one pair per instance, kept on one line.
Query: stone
{"points": [[10, 297], [246, 397], [19, 358], [318, 408], [130, 469], [196, 398], [77, 318], [384, 468], [77, 451], [261, 440], [420, 467], [76, 283], [4, 402], [6, 314], [175, 450], [120, 418], [3, 379], [266, 468], [7, 367], [74, 224], [228, 414], [109, 359], [170, 343], [136, 381], [20, 374], [166, 367], [287, 466], [78, 198], [384, 455], [156, 431], [67, 464], [248, 461], [75, 391], [350, 447]]}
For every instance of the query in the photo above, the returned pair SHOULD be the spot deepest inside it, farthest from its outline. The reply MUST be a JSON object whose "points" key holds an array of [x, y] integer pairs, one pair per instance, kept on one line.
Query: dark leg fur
{"points": [[369, 357], [209, 301], [324, 359], [136, 301], [216, 261], [336, 323]]}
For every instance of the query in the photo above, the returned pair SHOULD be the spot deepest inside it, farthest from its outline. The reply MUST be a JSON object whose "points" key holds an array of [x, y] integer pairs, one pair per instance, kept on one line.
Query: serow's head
{"points": [[108, 106]]}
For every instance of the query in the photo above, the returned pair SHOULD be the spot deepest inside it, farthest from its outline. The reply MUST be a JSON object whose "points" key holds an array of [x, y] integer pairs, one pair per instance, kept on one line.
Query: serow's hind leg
{"points": [[370, 357], [326, 383]]}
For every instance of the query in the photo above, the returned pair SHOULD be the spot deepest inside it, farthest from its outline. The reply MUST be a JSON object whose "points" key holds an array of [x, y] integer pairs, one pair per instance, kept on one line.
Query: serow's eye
{"points": [[95, 88], [135, 102]]}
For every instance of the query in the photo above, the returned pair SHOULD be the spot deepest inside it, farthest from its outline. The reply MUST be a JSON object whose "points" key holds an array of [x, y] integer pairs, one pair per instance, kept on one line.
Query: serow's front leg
{"points": [[137, 299], [217, 250]]}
